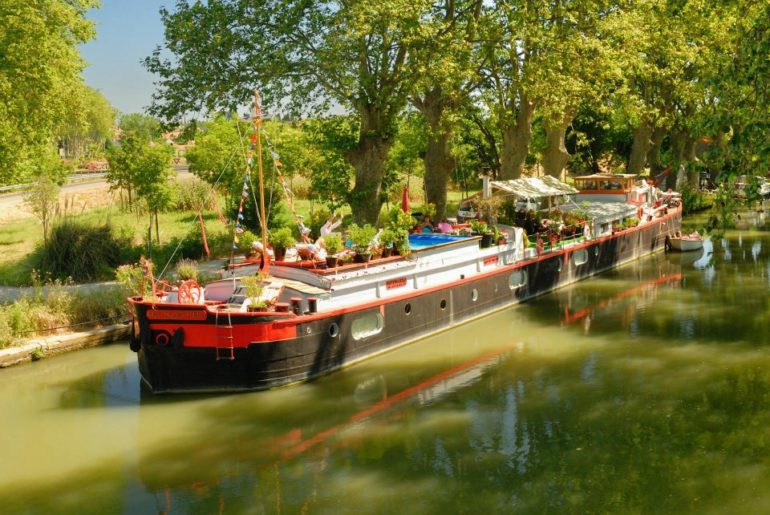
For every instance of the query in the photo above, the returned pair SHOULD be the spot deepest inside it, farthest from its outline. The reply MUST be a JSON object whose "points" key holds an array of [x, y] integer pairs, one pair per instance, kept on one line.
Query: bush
{"points": [[194, 195], [317, 220], [106, 305], [81, 252], [129, 277], [301, 187], [187, 269], [282, 238]]}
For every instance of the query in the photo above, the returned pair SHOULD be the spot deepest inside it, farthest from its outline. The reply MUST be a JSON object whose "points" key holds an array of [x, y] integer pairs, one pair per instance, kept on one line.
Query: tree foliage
{"points": [[506, 86], [40, 66]]}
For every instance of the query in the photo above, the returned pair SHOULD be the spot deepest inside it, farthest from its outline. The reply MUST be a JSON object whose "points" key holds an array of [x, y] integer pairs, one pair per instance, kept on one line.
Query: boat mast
{"points": [[263, 220]]}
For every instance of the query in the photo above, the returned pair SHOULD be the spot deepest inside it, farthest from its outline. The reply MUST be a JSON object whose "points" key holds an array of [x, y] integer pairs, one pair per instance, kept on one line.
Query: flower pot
{"points": [[387, 252], [280, 254], [332, 261], [486, 240], [255, 309], [362, 258]]}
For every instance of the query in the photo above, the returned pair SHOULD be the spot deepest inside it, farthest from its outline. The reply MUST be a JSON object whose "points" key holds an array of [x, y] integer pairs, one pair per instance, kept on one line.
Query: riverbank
{"points": [[38, 348]]}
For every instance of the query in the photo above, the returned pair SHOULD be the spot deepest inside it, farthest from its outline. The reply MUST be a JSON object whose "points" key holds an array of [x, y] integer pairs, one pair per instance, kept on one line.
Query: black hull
{"points": [[326, 344]]}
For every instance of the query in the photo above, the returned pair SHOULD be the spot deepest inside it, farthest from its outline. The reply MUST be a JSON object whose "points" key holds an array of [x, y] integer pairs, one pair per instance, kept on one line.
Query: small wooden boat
{"points": [[686, 243]]}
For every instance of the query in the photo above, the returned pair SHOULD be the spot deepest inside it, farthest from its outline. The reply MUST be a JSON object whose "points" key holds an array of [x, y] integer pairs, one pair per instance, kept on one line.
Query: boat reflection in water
{"points": [[277, 449]]}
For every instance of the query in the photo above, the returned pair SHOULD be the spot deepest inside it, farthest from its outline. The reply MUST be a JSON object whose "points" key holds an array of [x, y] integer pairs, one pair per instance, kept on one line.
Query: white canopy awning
{"points": [[535, 187]]}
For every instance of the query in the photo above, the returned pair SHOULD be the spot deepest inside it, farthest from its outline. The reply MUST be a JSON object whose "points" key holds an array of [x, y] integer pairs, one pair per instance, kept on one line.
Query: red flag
{"points": [[405, 200], [203, 233]]}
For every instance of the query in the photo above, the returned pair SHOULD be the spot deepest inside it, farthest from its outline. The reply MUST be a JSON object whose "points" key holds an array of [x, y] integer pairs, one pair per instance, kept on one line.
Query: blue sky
{"points": [[127, 31]]}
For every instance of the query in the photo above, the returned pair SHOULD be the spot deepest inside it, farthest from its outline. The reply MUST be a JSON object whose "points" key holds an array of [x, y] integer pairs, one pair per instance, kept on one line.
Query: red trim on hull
{"points": [[497, 271], [203, 335]]}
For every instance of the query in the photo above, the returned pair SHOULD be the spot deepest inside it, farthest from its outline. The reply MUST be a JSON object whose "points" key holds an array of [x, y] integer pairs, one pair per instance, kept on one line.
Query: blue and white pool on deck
{"points": [[426, 240]]}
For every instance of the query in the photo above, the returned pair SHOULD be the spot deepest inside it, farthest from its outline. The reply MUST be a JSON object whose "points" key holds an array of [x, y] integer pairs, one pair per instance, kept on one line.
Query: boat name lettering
{"points": [[491, 260], [396, 283], [176, 314]]}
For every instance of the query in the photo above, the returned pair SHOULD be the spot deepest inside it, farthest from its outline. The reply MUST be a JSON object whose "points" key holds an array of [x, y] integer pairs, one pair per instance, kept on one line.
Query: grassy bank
{"points": [[55, 308], [21, 242]]}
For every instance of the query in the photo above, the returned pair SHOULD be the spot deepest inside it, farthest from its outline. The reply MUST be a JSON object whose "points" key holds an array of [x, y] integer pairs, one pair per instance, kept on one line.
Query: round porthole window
{"points": [[408, 309], [517, 279], [475, 295], [443, 304], [334, 330]]}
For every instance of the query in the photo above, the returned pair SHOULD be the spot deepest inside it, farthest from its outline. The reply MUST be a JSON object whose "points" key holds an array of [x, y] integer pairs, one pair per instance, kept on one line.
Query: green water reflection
{"points": [[643, 390]]}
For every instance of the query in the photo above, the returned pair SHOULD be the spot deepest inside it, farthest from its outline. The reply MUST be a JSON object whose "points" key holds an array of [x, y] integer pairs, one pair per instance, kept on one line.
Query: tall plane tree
{"points": [[445, 80], [307, 55], [669, 50]]}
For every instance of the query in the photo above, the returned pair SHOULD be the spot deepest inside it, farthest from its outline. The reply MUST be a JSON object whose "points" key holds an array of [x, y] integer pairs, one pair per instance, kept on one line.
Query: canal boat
{"points": [[299, 320]]}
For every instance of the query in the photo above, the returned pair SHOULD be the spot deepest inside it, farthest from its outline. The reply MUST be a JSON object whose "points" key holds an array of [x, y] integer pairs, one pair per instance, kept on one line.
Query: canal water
{"points": [[646, 389]]}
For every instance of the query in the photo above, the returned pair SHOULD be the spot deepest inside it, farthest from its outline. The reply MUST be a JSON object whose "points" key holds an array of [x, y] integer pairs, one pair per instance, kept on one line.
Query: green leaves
{"points": [[39, 71]]}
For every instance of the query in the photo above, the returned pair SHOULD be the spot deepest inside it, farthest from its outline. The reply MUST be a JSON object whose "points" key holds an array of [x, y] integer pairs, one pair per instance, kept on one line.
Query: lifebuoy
{"points": [[189, 292]]}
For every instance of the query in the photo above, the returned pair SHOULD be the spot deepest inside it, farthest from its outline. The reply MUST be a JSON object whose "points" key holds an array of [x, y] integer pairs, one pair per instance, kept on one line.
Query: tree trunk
{"points": [[653, 154], [157, 230], [555, 155], [683, 151], [438, 158], [516, 139], [641, 145], [368, 160]]}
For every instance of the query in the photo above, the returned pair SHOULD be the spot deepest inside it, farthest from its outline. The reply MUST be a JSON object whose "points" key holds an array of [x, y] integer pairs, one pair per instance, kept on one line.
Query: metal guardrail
{"points": [[13, 187], [72, 179]]}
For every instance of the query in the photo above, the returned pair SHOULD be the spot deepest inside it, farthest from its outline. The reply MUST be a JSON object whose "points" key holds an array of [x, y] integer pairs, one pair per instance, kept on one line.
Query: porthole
{"points": [[517, 279], [558, 265], [408, 309], [367, 325], [334, 330], [443, 304], [596, 251], [475, 295], [580, 257]]}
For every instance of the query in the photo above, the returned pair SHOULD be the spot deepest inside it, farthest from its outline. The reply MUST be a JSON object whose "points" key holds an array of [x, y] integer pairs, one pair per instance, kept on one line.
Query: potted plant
{"points": [[333, 243], [485, 231], [498, 236], [254, 288], [281, 240], [187, 269], [362, 238], [400, 223], [387, 238]]}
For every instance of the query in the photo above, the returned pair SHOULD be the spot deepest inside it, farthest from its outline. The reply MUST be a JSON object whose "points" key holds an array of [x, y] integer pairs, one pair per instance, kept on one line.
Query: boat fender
{"points": [[539, 246], [177, 340], [133, 342]]}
